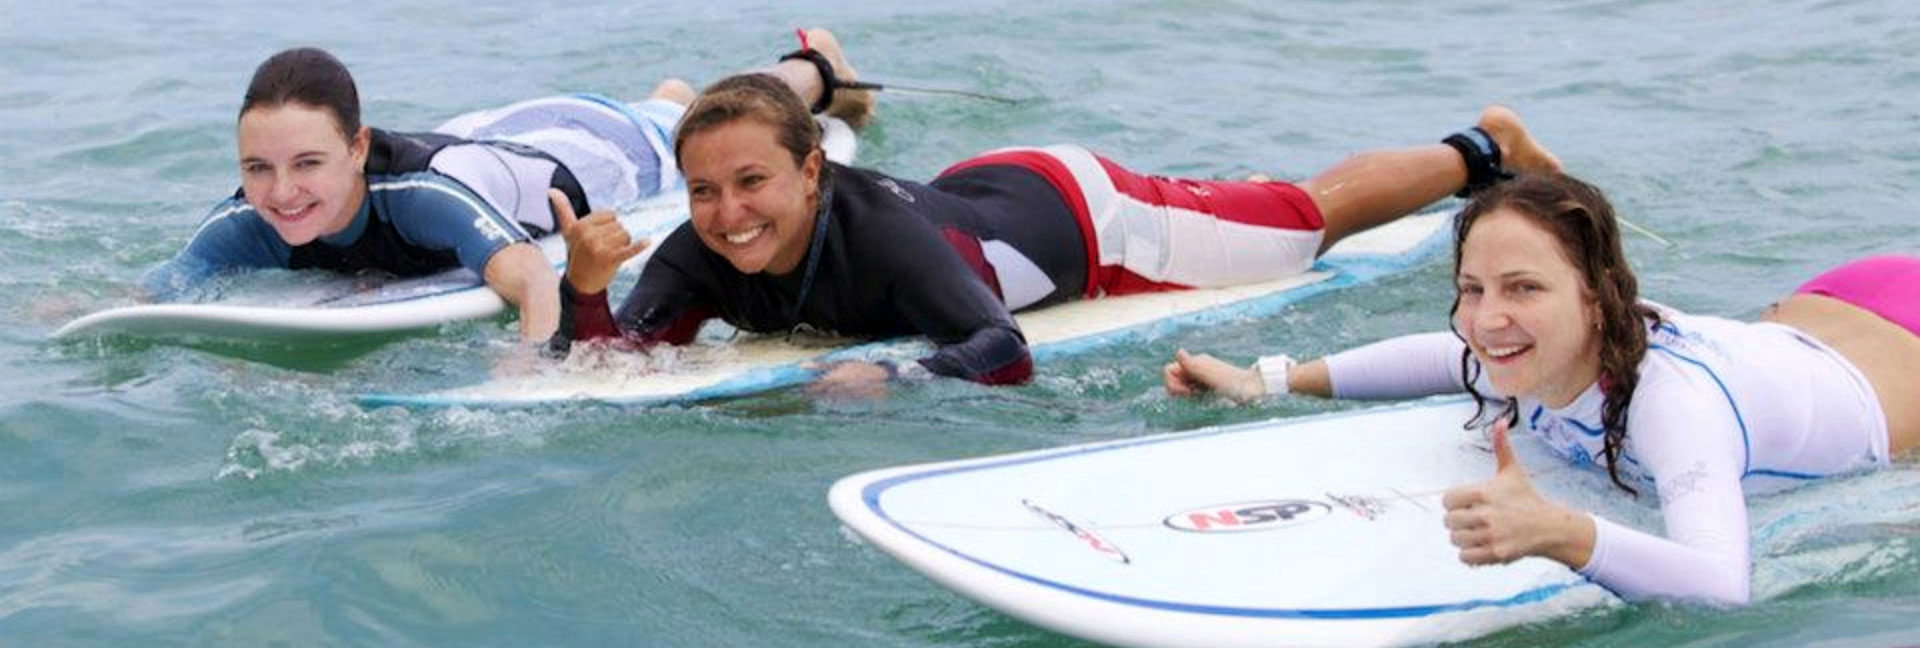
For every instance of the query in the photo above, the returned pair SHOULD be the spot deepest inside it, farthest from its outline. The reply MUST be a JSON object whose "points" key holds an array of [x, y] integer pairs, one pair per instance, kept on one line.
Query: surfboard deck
{"points": [[720, 365], [1318, 531], [318, 311]]}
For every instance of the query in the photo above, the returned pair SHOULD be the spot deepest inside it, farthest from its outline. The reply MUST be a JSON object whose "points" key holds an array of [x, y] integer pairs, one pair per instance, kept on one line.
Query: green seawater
{"points": [[155, 495]]}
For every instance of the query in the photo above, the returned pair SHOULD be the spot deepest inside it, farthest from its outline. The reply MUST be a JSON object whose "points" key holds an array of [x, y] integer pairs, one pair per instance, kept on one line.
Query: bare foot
{"points": [[674, 90], [1518, 150], [855, 107]]}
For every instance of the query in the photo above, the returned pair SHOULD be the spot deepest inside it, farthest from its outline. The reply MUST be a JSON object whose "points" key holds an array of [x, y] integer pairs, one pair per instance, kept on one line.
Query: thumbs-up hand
{"points": [[1503, 519], [596, 245]]}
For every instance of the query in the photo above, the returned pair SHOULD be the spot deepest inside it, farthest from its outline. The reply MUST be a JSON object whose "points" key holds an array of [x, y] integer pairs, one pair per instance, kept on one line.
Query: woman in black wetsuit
{"points": [[780, 238]]}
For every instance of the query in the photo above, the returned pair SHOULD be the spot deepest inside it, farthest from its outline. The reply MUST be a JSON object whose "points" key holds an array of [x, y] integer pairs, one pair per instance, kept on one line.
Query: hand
{"points": [[1504, 519], [596, 245], [1189, 375], [519, 361], [853, 380]]}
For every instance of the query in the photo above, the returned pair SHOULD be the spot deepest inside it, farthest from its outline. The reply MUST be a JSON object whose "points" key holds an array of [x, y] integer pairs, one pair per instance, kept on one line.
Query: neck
{"points": [[353, 210], [1575, 382]]}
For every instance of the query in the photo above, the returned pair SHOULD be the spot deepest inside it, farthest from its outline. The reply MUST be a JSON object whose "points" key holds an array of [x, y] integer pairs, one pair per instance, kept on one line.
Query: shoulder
{"points": [[232, 235], [424, 189], [232, 224], [230, 216], [426, 203], [682, 252]]}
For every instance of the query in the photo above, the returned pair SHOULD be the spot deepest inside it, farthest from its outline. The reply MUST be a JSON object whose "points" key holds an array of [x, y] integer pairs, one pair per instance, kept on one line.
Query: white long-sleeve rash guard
{"points": [[1722, 409]]}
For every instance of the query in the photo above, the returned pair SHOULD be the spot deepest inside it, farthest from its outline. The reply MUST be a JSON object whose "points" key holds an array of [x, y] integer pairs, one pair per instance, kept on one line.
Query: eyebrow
{"points": [[296, 157], [1510, 274]]}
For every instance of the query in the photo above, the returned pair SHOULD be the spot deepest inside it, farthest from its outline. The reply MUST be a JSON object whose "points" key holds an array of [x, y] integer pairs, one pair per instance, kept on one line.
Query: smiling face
{"points": [[299, 172], [1525, 311], [751, 203]]}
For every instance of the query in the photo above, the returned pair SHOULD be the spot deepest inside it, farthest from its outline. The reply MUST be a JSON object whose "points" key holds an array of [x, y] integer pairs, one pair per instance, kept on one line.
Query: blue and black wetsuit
{"points": [[409, 225], [453, 197]]}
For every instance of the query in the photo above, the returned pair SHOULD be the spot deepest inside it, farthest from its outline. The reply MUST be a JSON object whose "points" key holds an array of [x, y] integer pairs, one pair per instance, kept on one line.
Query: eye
{"points": [[306, 163], [700, 192], [254, 168], [751, 181], [1469, 289]]}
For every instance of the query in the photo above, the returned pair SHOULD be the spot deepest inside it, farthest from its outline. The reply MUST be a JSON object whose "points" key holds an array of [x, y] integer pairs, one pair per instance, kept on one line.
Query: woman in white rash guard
{"points": [[1548, 331]]}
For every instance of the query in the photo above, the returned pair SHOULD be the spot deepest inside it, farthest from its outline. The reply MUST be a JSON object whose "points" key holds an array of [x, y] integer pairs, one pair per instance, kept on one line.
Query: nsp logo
{"points": [[1247, 516]]}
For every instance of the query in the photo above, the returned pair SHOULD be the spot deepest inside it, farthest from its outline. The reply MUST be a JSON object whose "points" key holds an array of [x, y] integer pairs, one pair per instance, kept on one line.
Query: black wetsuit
{"points": [[898, 258]]}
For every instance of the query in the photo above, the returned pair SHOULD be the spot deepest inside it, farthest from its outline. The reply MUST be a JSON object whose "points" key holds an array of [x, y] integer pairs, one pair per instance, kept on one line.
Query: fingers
{"points": [[1474, 537], [1463, 497], [563, 215], [1178, 382], [1175, 378], [1199, 371], [1502, 450], [634, 249], [1479, 544], [1481, 555]]}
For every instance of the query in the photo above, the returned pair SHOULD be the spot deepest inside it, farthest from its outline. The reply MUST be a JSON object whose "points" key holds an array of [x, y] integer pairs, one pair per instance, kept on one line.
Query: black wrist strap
{"points": [[828, 80]]}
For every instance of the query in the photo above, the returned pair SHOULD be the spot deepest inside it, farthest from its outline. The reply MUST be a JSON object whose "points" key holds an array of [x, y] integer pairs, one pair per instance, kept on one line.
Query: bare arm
{"points": [[1190, 374], [1408, 366], [522, 276]]}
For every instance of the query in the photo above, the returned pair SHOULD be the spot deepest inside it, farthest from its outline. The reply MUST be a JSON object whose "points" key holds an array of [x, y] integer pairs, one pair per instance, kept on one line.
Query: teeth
{"points": [[743, 237], [1502, 352]]}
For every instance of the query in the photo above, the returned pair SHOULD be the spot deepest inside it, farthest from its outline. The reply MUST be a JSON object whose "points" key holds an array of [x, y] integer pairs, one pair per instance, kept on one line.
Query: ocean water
{"points": [[167, 496]]}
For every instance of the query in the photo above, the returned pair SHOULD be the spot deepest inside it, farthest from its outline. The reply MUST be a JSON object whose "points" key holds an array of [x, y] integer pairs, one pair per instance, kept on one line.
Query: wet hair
{"points": [[308, 76], [759, 97], [1581, 220]]}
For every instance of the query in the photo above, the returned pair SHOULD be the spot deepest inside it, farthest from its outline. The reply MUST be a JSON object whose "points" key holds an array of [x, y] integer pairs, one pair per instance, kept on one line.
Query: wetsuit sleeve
{"points": [[665, 305], [1688, 437], [431, 211], [1410, 366], [231, 237], [976, 337]]}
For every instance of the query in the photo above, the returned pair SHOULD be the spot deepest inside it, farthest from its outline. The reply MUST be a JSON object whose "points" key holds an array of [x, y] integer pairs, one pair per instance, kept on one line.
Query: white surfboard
{"points": [[719, 364], [338, 307], [1321, 531]]}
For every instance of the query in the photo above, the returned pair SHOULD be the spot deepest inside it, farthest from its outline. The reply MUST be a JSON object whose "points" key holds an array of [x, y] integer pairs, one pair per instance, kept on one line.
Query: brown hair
{"points": [[309, 76], [1582, 221], [759, 97]]}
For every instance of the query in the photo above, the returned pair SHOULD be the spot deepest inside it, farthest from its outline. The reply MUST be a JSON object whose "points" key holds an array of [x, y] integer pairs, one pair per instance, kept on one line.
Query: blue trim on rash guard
{"points": [[1746, 469], [1746, 465], [475, 241]]}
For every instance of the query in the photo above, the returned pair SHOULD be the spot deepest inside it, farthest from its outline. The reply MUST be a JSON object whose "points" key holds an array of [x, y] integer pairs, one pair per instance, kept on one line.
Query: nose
{"points": [[1490, 314], [732, 209], [283, 188]]}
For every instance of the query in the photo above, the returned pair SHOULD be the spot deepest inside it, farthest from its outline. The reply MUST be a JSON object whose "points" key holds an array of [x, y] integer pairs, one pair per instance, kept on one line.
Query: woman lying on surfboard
{"points": [[781, 239], [1549, 331], [320, 190]]}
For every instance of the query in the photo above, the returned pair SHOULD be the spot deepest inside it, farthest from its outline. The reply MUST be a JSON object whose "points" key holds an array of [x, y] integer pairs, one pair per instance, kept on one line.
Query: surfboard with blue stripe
{"points": [[1317, 531]]}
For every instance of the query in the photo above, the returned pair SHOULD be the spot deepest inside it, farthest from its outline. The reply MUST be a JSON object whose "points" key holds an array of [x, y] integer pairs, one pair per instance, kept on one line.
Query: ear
{"points": [[814, 162], [810, 171], [358, 146]]}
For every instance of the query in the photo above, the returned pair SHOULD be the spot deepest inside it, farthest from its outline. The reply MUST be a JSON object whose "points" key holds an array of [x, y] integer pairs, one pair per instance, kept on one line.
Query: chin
{"points": [[748, 266], [297, 238], [1510, 386]]}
